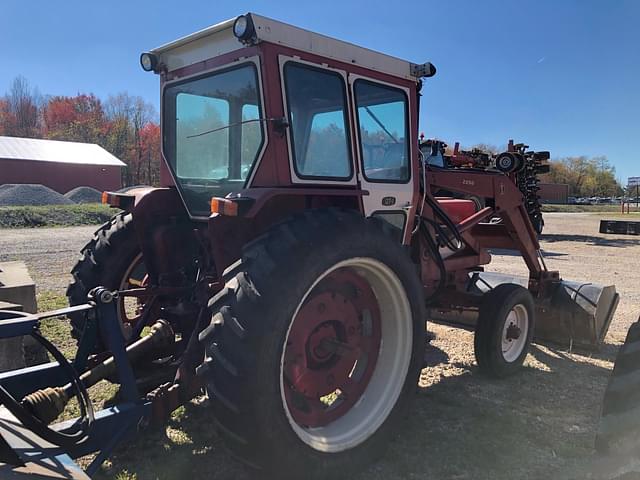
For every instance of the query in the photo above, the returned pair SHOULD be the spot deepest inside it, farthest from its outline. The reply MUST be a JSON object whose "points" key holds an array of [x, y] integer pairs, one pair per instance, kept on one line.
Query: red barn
{"points": [[61, 166]]}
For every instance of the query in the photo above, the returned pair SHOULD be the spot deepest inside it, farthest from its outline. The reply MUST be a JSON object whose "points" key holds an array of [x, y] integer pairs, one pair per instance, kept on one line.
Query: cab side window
{"points": [[382, 122], [316, 101]]}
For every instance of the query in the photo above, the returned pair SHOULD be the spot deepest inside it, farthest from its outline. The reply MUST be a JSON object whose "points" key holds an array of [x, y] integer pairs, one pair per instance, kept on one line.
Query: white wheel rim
{"points": [[387, 381], [121, 307], [518, 318]]}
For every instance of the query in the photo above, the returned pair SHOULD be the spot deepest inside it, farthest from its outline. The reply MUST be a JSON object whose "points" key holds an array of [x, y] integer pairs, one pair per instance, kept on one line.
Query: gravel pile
{"points": [[84, 195], [30, 194]]}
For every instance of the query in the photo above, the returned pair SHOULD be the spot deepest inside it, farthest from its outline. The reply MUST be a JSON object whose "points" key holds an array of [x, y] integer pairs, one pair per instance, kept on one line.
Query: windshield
{"points": [[212, 133]]}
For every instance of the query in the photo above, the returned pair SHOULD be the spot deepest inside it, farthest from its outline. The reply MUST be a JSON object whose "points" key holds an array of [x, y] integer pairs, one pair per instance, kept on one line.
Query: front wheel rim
{"points": [[515, 332], [375, 305]]}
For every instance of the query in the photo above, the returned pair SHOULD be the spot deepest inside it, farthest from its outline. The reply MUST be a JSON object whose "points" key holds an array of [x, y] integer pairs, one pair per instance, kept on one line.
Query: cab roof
{"points": [[219, 39]]}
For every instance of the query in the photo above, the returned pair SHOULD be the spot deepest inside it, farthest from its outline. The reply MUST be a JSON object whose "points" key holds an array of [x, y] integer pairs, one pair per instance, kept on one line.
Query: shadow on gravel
{"points": [[589, 239], [463, 426], [537, 424]]}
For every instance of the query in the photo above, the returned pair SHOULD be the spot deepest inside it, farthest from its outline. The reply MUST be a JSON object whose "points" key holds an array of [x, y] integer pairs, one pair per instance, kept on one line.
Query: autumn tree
{"points": [[4, 116], [20, 110], [150, 153], [76, 119], [585, 176], [127, 135]]}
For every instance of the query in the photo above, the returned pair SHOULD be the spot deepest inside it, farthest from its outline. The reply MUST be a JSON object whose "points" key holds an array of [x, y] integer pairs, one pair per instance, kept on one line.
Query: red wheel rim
{"points": [[129, 307], [332, 349]]}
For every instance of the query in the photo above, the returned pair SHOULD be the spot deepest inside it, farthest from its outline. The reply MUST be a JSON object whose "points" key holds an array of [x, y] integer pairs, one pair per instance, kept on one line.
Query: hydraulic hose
{"points": [[444, 217], [435, 253]]}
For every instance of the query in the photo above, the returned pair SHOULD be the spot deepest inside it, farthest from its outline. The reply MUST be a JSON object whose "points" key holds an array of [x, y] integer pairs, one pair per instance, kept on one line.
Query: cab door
{"points": [[316, 101], [384, 149]]}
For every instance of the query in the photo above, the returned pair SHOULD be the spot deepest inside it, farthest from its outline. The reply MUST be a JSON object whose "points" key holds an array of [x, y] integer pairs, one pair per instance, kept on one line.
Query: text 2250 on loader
{"points": [[289, 264]]}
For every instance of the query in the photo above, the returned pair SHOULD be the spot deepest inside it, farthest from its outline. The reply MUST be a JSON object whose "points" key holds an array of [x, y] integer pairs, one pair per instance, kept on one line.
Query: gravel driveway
{"points": [[538, 424], [50, 253]]}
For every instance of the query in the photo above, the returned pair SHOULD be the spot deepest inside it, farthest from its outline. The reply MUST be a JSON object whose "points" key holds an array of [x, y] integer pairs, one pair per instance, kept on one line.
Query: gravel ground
{"points": [[48, 252], [538, 424]]}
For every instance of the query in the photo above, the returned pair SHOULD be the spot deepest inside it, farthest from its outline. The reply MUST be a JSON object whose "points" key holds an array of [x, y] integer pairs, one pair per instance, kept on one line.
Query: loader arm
{"points": [[514, 231]]}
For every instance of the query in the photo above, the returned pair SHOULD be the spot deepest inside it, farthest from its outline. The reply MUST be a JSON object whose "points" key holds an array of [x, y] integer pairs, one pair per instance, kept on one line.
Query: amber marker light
{"points": [[224, 206]]}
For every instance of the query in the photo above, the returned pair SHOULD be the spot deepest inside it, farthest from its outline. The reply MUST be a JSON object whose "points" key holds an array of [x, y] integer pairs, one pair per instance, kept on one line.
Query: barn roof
{"points": [[15, 148]]}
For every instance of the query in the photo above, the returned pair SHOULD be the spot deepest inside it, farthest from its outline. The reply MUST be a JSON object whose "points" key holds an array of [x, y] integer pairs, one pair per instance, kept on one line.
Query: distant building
{"points": [[60, 166], [554, 192]]}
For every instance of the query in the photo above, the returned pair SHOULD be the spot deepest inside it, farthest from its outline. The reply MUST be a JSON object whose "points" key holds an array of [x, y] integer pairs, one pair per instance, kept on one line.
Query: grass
{"points": [[54, 215], [586, 208], [96, 214]]}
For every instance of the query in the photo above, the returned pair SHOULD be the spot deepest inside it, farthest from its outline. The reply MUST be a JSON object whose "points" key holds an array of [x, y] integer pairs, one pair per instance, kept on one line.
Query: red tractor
{"points": [[296, 249]]}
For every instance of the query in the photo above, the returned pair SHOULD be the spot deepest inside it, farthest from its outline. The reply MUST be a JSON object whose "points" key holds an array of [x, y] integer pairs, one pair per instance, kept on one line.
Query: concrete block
{"points": [[16, 286], [18, 293]]}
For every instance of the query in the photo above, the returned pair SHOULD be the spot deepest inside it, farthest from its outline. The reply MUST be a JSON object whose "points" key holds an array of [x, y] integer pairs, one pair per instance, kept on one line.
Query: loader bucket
{"points": [[574, 314]]}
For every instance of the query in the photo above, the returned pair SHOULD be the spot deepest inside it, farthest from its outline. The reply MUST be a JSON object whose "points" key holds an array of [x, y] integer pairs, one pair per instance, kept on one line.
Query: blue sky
{"points": [[562, 75]]}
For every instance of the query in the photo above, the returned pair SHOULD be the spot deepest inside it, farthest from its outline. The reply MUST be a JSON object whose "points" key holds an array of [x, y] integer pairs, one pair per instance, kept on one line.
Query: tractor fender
{"points": [[143, 200]]}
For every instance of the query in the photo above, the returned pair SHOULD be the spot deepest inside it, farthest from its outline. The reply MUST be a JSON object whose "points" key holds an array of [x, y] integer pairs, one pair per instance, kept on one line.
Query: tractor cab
{"points": [[254, 103]]}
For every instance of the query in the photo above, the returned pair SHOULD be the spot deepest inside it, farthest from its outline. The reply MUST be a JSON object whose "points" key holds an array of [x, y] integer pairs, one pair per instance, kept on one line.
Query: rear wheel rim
{"points": [[130, 308], [514, 333], [346, 355]]}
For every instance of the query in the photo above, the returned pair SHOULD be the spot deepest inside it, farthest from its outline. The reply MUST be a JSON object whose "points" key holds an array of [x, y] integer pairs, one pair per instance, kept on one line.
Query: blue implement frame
{"points": [[111, 425]]}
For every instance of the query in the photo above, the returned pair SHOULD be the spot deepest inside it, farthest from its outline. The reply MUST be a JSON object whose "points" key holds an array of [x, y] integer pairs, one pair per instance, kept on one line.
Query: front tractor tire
{"points": [[111, 259], [315, 346], [504, 330]]}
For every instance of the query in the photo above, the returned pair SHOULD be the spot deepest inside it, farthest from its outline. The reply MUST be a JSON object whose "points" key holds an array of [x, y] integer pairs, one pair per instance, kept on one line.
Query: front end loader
{"points": [[287, 264]]}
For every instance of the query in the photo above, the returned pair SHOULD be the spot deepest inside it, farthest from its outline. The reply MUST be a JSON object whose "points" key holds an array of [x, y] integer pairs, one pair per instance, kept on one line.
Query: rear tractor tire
{"points": [[111, 259], [504, 330], [295, 368]]}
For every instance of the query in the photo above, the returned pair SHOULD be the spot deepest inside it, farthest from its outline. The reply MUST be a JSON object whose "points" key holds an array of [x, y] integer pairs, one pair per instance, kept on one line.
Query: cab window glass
{"points": [[382, 121], [196, 114], [251, 135], [318, 122]]}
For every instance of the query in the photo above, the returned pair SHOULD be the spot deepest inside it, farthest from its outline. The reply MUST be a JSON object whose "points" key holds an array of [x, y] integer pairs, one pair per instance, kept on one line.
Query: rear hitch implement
{"points": [[34, 397]]}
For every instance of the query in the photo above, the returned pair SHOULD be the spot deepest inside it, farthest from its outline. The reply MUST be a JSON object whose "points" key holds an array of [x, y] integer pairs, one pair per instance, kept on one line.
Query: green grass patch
{"points": [[57, 330], [55, 215], [586, 208]]}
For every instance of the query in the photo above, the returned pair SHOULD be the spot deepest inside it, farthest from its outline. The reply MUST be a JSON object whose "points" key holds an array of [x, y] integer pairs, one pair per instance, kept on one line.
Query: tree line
{"points": [[127, 126], [124, 125], [586, 176]]}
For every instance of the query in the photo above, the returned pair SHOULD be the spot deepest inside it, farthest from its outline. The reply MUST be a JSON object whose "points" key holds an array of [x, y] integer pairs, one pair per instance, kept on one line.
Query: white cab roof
{"points": [[15, 148], [219, 39]]}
